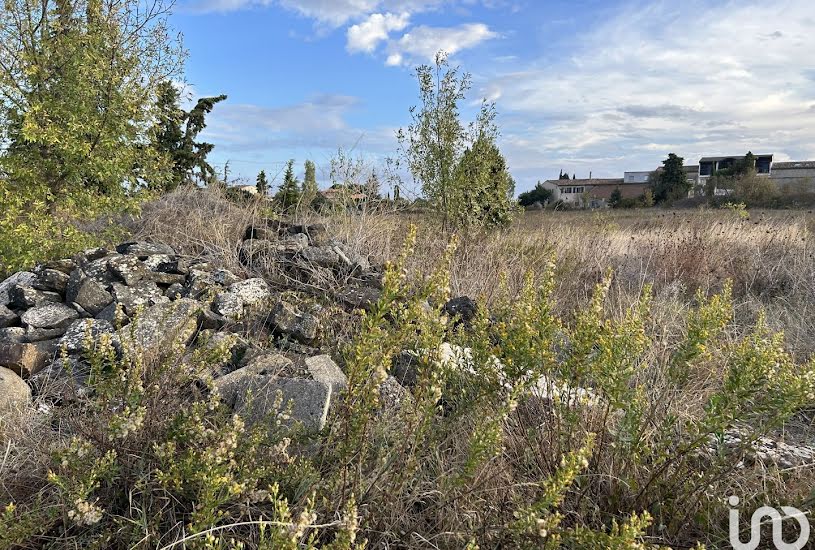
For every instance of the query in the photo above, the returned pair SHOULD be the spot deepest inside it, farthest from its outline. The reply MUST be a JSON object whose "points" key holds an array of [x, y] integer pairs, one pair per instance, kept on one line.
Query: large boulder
{"points": [[463, 309], [258, 394], [251, 291], [358, 297], [14, 392], [49, 316], [22, 278], [228, 304], [160, 326]]}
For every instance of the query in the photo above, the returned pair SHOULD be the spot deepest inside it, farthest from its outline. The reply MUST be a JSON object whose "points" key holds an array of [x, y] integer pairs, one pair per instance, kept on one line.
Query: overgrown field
{"points": [[607, 394]]}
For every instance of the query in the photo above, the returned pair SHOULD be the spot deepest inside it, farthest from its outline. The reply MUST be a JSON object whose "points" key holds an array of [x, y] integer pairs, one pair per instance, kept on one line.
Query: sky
{"points": [[586, 86]]}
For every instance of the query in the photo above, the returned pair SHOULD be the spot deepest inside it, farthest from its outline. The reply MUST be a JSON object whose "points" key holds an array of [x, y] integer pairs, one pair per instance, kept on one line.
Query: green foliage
{"points": [[188, 157], [465, 178], [670, 182], [32, 230], [77, 82], [288, 195], [537, 195], [310, 189], [262, 184], [616, 198]]}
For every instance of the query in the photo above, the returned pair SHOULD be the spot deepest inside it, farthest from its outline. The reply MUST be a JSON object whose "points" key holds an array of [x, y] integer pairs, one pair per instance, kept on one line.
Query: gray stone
{"points": [[228, 304], [98, 269], [157, 260], [82, 335], [12, 335], [323, 369], [33, 335], [252, 292], [175, 291], [359, 297], [111, 312], [224, 277], [269, 365], [14, 392], [211, 320], [129, 269], [49, 316], [199, 282], [24, 297], [66, 265], [291, 244], [258, 253], [144, 249], [353, 261], [258, 395], [51, 279], [21, 278], [288, 320], [160, 326], [404, 368], [132, 298], [393, 396], [7, 317], [63, 379], [88, 292], [463, 308], [162, 278], [323, 256], [91, 254], [25, 359]]}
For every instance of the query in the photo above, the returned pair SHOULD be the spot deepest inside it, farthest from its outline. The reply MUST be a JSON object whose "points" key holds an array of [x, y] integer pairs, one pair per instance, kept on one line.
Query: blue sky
{"points": [[583, 85]]}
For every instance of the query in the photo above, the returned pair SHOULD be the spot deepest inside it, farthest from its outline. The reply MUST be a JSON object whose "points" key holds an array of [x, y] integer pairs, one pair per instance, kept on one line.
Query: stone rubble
{"points": [[148, 299]]}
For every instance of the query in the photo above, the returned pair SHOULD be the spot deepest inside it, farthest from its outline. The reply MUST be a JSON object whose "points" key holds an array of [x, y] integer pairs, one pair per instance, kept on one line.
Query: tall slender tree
{"points": [[288, 196], [262, 184]]}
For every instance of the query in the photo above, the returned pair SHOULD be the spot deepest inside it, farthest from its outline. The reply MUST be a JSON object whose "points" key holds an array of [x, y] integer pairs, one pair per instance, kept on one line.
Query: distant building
{"points": [[710, 165], [794, 175], [251, 189], [594, 192], [637, 177]]}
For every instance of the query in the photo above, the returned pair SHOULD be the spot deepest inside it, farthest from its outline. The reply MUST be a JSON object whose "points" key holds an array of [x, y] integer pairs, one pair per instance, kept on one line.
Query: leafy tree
{"points": [[262, 184], [462, 174], [670, 183], [432, 144], [563, 175], [187, 156], [615, 198], [537, 195], [77, 82], [289, 193], [310, 190]]}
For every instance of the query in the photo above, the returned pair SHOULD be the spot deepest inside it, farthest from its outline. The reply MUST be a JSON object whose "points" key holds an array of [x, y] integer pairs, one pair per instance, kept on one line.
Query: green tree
{"points": [[372, 187], [77, 82], [670, 183], [288, 196], [433, 142], [262, 184], [615, 198], [175, 133], [462, 174], [563, 175], [482, 187], [310, 179], [537, 195]]}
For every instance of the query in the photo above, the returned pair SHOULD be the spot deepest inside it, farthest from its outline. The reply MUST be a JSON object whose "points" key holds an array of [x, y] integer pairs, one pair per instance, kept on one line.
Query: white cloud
{"points": [[693, 80], [365, 36], [424, 42]]}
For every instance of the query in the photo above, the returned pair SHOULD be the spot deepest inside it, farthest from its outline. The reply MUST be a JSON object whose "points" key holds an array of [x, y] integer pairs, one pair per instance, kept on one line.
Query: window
{"points": [[705, 168], [763, 165]]}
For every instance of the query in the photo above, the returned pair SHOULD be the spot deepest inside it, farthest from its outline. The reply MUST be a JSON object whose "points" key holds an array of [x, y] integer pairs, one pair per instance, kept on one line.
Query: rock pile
{"points": [[147, 297]]}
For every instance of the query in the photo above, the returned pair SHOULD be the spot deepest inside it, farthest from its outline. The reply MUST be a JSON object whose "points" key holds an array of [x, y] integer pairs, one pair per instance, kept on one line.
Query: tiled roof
{"points": [[593, 182]]}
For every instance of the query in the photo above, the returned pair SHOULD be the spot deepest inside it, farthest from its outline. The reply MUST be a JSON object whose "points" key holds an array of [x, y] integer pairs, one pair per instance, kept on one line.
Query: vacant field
{"points": [[621, 370]]}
